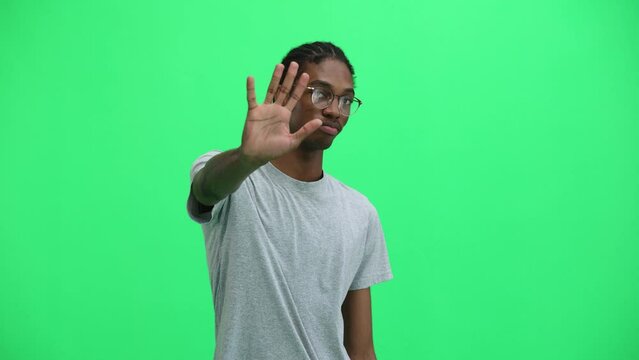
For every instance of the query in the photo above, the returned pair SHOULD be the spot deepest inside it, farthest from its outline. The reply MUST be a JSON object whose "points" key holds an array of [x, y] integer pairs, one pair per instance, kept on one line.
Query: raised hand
{"points": [[266, 134]]}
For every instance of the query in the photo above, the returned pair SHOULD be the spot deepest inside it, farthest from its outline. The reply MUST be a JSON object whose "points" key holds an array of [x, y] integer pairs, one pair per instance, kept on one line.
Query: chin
{"points": [[315, 145]]}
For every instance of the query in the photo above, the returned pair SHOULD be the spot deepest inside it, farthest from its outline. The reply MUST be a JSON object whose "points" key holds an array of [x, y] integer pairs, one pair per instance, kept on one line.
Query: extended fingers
{"points": [[285, 88], [250, 92], [297, 92], [275, 82]]}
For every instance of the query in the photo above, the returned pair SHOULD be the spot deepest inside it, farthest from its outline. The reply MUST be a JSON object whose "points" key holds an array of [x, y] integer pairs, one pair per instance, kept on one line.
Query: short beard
{"points": [[307, 145]]}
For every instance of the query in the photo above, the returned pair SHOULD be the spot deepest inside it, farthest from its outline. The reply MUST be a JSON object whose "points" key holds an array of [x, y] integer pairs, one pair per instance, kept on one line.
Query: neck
{"points": [[301, 165]]}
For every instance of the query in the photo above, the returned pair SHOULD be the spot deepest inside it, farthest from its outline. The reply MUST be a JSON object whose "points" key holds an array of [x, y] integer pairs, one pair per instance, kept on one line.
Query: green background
{"points": [[498, 141]]}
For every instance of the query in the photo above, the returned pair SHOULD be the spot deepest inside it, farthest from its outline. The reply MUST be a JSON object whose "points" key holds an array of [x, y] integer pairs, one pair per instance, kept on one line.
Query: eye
{"points": [[321, 97], [347, 100], [322, 94]]}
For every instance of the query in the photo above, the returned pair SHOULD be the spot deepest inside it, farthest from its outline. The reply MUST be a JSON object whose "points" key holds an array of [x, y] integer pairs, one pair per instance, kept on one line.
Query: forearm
{"points": [[222, 175], [358, 325], [359, 351], [367, 356]]}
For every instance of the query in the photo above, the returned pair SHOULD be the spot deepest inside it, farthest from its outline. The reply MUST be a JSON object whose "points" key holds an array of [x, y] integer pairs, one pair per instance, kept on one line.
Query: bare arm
{"points": [[358, 325], [266, 136], [221, 175]]}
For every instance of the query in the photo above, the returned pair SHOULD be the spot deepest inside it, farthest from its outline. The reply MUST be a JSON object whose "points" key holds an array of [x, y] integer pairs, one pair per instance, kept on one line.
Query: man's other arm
{"points": [[358, 325]]}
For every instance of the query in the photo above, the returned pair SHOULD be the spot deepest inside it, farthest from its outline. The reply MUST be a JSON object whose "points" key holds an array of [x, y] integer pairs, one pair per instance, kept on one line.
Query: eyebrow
{"points": [[324, 83]]}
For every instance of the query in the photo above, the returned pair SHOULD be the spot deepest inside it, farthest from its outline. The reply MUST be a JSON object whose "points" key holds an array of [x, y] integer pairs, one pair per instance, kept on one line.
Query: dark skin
{"points": [[358, 325], [305, 162], [287, 130]]}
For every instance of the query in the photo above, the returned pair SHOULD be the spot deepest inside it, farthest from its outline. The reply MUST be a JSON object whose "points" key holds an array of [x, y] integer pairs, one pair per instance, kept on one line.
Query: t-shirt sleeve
{"points": [[375, 266], [192, 206]]}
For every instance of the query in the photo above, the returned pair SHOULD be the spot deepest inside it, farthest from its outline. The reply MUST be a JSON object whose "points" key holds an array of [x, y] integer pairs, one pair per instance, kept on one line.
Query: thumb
{"points": [[306, 130]]}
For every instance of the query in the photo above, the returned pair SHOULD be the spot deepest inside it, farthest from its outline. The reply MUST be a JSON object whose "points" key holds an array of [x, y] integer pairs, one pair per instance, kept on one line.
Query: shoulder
{"points": [[354, 197], [209, 154], [201, 160]]}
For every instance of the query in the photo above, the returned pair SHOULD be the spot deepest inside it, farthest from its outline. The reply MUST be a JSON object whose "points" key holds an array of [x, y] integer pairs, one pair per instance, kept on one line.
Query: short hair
{"points": [[315, 53]]}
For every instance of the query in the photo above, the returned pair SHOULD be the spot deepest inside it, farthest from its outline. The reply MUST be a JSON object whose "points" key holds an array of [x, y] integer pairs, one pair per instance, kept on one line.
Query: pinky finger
{"points": [[250, 92]]}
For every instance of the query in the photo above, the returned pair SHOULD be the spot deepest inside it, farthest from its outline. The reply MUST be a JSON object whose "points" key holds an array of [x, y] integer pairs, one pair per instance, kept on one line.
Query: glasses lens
{"points": [[321, 98], [348, 105]]}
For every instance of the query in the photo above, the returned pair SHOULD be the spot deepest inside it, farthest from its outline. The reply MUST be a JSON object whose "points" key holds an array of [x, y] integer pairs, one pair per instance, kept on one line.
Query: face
{"points": [[334, 75]]}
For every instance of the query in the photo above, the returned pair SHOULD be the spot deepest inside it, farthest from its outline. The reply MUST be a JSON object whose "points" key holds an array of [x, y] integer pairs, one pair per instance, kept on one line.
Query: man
{"points": [[292, 252]]}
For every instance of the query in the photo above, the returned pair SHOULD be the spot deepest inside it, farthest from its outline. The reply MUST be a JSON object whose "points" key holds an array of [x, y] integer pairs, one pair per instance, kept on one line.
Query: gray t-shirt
{"points": [[282, 255]]}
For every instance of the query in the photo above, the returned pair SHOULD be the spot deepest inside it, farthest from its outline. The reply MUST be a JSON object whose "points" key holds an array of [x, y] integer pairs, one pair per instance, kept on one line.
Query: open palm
{"points": [[266, 134]]}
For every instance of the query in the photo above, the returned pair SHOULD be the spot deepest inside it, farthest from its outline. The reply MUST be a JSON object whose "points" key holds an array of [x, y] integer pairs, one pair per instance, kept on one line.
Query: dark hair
{"points": [[315, 52]]}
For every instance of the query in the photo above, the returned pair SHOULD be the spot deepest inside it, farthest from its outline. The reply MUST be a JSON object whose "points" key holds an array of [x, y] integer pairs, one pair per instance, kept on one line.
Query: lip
{"points": [[329, 130], [334, 125]]}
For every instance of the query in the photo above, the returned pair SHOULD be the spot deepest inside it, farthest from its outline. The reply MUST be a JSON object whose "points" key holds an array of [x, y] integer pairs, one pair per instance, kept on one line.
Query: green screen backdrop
{"points": [[498, 141]]}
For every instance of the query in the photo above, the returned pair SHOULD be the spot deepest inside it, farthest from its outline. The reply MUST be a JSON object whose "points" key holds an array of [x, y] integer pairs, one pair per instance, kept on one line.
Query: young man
{"points": [[292, 252]]}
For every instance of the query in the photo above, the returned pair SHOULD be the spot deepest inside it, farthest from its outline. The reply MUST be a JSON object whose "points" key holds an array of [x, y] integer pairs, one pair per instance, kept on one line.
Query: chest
{"points": [[311, 239]]}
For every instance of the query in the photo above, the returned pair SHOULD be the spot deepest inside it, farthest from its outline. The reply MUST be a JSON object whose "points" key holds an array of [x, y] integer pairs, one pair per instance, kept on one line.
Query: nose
{"points": [[332, 110]]}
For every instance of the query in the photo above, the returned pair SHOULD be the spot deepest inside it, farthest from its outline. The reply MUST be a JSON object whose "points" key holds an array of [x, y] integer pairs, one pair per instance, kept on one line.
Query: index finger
{"points": [[275, 82], [281, 96], [300, 87]]}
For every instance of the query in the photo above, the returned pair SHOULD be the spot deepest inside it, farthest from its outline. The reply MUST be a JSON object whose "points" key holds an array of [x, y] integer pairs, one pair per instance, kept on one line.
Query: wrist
{"points": [[249, 162]]}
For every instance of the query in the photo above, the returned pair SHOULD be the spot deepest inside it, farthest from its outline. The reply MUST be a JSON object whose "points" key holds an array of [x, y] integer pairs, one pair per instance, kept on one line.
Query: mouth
{"points": [[330, 128], [331, 124]]}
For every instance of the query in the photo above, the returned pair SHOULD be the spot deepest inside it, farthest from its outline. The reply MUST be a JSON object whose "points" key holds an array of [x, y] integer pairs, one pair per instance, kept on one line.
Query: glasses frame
{"points": [[333, 96]]}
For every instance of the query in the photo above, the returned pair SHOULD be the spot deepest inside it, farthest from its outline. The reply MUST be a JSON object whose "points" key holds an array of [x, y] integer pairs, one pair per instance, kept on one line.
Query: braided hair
{"points": [[314, 52]]}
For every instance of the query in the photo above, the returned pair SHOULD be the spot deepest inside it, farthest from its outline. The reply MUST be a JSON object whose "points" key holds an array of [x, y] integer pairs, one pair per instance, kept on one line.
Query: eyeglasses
{"points": [[323, 98]]}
